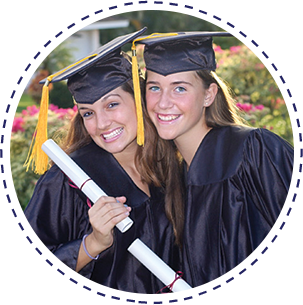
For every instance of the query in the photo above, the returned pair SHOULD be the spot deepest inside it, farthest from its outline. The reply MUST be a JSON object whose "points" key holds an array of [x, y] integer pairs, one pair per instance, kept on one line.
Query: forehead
{"points": [[117, 93], [189, 76]]}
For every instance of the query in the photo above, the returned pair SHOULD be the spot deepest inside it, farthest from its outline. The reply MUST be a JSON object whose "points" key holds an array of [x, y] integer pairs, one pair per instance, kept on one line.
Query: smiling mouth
{"points": [[113, 134], [168, 117]]}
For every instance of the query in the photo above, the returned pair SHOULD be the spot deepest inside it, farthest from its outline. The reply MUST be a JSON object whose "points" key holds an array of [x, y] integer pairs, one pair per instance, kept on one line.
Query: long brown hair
{"points": [[222, 112]]}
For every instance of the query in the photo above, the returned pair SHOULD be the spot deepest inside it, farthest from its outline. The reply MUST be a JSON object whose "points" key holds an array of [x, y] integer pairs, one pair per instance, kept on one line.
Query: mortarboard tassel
{"points": [[137, 94], [136, 83], [36, 156]]}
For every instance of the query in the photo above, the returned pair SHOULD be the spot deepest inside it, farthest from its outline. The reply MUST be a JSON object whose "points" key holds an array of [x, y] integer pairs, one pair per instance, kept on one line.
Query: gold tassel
{"points": [[137, 94], [136, 83], [36, 156]]}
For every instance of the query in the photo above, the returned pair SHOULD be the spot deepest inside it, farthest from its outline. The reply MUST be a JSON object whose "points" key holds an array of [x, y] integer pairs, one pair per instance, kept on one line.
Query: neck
{"points": [[188, 145], [127, 160]]}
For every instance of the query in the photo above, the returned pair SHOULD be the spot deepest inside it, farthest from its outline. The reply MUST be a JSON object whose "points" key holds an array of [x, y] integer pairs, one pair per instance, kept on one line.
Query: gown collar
{"points": [[218, 156]]}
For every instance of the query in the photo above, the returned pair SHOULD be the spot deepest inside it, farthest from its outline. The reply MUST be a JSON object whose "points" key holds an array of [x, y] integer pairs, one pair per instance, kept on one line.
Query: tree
{"points": [[58, 59], [164, 21], [55, 61]]}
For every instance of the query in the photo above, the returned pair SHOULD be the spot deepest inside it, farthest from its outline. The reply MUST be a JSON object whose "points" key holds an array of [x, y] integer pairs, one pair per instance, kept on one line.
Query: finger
{"points": [[113, 221], [112, 210], [121, 199], [106, 223], [108, 211], [102, 201]]}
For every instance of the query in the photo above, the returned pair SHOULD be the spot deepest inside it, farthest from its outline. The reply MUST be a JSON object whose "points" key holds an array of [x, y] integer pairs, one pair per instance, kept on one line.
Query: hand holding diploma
{"points": [[103, 216]]}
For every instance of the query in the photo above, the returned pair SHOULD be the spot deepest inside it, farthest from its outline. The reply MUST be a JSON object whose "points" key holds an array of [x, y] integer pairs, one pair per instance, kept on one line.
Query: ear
{"points": [[210, 94]]}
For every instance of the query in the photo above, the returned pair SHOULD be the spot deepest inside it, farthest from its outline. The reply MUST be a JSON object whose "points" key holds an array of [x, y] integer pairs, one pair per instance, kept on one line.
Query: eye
{"points": [[86, 114], [112, 105], [180, 89], [154, 88]]}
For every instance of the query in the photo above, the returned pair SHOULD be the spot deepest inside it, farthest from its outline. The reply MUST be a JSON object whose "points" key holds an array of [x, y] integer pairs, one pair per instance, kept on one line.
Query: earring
{"points": [[206, 104]]}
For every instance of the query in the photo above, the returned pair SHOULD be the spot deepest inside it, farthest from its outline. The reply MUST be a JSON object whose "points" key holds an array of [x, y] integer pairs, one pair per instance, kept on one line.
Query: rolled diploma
{"points": [[79, 177], [155, 265]]}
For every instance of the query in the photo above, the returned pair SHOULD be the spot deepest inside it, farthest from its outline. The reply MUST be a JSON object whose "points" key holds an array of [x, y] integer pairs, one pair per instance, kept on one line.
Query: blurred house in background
{"points": [[89, 38]]}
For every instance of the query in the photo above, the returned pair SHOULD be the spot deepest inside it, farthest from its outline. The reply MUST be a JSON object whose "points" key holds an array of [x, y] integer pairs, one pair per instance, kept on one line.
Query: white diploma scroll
{"points": [[155, 265], [79, 177]]}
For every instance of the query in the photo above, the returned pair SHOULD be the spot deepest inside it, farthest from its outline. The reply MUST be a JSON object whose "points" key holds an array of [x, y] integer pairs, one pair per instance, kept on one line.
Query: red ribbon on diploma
{"points": [[178, 275]]}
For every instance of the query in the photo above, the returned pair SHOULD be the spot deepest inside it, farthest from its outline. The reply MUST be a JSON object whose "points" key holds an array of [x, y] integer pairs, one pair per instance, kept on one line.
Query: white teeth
{"points": [[112, 134], [168, 117]]}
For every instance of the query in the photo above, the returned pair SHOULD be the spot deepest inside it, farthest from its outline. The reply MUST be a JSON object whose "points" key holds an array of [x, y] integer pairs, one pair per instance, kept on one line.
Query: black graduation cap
{"points": [[100, 72], [179, 52], [89, 79]]}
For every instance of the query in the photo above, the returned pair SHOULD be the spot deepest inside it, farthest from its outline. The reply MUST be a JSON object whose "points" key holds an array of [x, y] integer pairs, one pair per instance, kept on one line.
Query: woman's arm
{"points": [[269, 164], [103, 217], [61, 218]]}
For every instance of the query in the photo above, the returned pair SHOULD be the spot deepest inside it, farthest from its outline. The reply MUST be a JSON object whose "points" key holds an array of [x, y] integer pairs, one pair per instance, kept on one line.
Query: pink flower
{"points": [[17, 124], [245, 107], [235, 49], [259, 107], [280, 101], [53, 107], [218, 49], [277, 103], [259, 66], [32, 110], [63, 113]]}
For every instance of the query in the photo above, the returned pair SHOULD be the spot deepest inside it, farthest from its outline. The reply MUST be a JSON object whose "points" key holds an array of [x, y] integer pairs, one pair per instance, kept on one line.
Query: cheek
{"points": [[193, 104], [150, 101], [89, 126]]}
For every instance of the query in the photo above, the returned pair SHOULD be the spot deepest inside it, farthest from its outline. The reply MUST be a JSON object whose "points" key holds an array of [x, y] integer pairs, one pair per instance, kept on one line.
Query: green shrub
{"points": [[256, 92], [60, 96], [23, 128]]}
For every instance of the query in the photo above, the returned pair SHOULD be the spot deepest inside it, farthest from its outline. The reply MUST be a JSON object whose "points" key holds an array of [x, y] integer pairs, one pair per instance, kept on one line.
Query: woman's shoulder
{"points": [[231, 132], [53, 175], [225, 149], [238, 135], [263, 144]]}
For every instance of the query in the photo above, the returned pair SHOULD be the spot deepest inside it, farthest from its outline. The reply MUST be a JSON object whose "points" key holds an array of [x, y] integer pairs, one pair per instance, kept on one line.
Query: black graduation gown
{"points": [[237, 184], [58, 214]]}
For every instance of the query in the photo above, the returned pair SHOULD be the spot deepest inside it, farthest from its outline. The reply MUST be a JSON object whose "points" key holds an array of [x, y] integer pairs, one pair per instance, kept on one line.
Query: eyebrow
{"points": [[103, 99], [181, 82], [173, 83], [151, 82], [82, 108], [110, 95]]}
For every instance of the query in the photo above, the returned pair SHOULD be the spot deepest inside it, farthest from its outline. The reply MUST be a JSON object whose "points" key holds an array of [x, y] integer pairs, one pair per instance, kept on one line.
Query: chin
{"points": [[166, 136]]}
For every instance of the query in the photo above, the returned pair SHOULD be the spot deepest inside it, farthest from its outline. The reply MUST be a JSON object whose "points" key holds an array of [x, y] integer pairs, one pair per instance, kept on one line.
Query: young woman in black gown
{"points": [[102, 141], [236, 177]]}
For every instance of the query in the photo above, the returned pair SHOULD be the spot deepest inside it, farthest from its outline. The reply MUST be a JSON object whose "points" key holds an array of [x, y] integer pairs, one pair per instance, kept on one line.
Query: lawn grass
{"points": [[25, 101]]}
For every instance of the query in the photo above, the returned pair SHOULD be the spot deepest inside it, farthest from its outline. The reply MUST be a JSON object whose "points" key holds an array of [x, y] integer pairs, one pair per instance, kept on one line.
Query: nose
{"points": [[103, 120], [165, 101]]}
